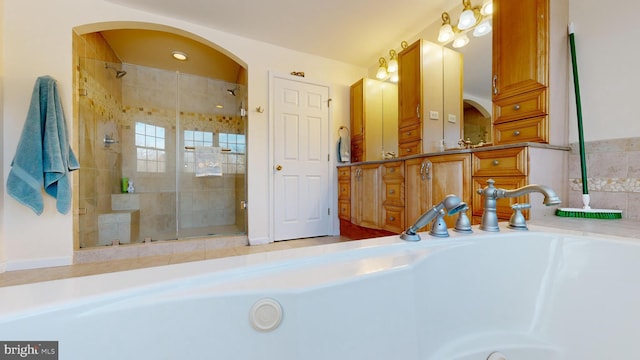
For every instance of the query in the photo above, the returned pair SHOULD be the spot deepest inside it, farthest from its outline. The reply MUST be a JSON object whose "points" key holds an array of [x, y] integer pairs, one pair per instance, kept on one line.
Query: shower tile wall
{"points": [[613, 171]]}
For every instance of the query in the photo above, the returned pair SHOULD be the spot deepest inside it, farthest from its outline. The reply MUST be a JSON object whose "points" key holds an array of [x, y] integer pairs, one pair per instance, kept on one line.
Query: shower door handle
{"points": [[278, 167]]}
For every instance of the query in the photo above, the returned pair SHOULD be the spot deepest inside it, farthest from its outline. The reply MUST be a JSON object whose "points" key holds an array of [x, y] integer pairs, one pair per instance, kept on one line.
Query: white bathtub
{"points": [[528, 295]]}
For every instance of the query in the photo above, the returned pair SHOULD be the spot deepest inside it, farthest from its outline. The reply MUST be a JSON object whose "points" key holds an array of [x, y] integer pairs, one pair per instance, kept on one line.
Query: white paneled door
{"points": [[301, 159]]}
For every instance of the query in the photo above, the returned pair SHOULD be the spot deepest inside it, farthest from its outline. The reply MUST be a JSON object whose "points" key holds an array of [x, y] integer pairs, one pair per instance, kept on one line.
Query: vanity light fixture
{"points": [[473, 18], [179, 55], [382, 70]]}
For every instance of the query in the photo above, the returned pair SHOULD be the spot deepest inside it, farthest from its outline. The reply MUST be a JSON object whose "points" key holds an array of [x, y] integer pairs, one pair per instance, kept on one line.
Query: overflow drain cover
{"points": [[496, 355], [266, 314]]}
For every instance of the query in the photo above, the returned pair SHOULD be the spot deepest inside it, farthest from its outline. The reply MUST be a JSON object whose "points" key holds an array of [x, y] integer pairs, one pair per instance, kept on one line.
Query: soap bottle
{"points": [[130, 188]]}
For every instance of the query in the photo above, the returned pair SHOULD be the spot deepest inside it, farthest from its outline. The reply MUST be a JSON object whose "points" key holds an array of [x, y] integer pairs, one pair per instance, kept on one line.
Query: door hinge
{"points": [[329, 211], [328, 157]]}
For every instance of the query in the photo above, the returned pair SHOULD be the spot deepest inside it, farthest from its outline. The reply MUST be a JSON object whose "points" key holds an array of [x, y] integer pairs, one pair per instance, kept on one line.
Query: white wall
{"points": [[607, 54], [39, 43]]}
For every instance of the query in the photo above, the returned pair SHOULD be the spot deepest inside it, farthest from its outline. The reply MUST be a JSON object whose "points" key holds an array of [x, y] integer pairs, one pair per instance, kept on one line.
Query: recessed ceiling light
{"points": [[219, 106], [179, 55]]}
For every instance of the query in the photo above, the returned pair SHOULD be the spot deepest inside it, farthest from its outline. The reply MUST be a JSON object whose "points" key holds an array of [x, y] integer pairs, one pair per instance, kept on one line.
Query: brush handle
{"points": [[576, 85]]}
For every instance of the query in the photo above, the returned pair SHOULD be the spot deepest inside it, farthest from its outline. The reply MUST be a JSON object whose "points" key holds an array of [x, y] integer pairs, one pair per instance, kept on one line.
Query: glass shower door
{"points": [[211, 138]]}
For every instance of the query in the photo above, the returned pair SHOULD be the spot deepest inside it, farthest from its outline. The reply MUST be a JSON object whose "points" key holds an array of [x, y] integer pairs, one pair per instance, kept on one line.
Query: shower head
{"points": [[119, 73]]}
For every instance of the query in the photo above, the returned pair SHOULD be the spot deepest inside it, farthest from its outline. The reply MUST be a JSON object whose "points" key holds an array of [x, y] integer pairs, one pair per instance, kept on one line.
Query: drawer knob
{"points": [[495, 162], [392, 170], [516, 107], [392, 219], [408, 150], [516, 133], [391, 191]]}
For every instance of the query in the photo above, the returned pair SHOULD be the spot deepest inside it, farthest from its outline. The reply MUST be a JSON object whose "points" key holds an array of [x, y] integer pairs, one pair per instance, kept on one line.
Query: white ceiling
{"points": [[352, 31]]}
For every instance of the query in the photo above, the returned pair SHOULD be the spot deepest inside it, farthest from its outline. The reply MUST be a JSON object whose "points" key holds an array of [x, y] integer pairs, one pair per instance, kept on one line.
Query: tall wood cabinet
{"points": [[373, 119], [521, 71], [429, 97], [410, 100]]}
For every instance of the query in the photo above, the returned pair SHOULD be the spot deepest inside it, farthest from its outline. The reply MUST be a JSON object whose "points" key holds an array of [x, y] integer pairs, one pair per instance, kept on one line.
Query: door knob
{"points": [[278, 167]]}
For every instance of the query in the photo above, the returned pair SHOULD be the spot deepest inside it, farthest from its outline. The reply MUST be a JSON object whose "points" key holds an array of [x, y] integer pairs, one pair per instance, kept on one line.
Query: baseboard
{"points": [[38, 263], [259, 241]]}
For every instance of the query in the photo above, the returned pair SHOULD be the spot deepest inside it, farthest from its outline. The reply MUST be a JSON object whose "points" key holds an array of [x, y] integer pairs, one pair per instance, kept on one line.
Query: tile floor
{"points": [[37, 275]]}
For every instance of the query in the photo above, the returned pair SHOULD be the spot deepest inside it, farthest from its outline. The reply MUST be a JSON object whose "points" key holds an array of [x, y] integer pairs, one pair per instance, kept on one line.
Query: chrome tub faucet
{"points": [[491, 194]]}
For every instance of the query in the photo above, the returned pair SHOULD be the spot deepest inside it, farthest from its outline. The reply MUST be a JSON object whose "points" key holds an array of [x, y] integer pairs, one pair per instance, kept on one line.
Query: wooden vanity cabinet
{"points": [[521, 71]]}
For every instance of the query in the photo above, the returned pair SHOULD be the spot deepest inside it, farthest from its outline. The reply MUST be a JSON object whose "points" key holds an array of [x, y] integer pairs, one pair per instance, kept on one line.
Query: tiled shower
{"points": [[144, 127]]}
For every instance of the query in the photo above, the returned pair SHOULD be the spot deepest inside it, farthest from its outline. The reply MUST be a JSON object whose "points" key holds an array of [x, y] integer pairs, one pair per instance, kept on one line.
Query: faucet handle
{"points": [[439, 226], [463, 225], [517, 221]]}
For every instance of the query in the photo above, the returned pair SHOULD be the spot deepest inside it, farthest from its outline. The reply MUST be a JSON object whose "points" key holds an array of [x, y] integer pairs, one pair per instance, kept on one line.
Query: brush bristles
{"points": [[590, 214]]}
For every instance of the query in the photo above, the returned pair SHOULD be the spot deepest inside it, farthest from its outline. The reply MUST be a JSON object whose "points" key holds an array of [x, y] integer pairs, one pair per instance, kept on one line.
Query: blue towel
{"points": [[43, 157]]}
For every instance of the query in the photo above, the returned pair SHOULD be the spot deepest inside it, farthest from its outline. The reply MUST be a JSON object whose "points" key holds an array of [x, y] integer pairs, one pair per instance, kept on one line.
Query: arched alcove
{"points": [[176, 130]]}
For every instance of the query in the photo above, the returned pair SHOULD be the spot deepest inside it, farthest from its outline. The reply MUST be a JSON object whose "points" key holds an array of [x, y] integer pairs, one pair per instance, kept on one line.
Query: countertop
{"points": [[463, 151], [629, 228]]}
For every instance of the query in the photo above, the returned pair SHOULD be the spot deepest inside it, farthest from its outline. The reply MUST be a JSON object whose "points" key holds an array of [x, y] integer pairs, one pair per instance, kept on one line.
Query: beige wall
{"points": [[39, 42]]}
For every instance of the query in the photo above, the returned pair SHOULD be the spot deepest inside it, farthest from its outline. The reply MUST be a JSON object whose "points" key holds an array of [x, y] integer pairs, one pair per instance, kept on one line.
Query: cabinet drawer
{"points": [[524, 106], [505, 162], [393, 219], [529, 130], [503, 205], [409, 133], [393, 170], [344, 173], [410, 148], [344, 190], [344, 210], [394, 193]]}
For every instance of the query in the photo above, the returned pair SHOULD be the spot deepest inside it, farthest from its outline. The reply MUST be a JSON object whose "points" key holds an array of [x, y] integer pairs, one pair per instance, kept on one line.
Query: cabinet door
{"points": [[418, 188], [520, 46], [365, 195], [410, 85], [451, 175]]}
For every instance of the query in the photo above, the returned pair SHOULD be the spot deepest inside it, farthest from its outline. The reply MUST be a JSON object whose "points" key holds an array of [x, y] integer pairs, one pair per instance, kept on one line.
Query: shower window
{"points": [[150, 148], [233, 161], [193, 138]]}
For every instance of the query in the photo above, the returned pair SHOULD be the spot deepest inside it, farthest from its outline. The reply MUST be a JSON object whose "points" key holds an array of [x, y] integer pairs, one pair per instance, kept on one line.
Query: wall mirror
{"points": [[477, 103]]}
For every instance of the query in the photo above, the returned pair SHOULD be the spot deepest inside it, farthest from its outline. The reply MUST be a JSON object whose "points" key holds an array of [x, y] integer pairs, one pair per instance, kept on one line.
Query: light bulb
{"points": [[446, 33], [482, 29], [467, 20], [393, 66], [461, 41]]}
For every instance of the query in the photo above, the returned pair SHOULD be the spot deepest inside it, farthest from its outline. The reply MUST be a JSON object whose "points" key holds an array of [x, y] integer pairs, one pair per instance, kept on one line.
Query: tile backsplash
{"points": [[613, 175]]}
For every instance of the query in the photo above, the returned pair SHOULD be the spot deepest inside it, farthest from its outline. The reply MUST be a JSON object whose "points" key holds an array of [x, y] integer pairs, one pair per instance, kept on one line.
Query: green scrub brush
{"points": [[586, 211]]}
